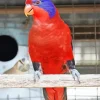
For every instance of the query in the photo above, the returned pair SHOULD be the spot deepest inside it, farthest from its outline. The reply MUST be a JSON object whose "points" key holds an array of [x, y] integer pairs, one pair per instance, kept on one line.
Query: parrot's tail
{"points": [[55, 93]]}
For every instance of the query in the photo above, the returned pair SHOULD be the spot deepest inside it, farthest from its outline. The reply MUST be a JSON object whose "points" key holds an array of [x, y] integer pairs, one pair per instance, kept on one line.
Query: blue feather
{"points": [[47, 5]]}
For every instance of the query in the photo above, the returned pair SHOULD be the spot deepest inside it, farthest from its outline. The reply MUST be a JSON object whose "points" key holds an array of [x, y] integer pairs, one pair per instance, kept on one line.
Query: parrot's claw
{"points": [[73, 78], [78, 79], [75, 75], [37, 76]]}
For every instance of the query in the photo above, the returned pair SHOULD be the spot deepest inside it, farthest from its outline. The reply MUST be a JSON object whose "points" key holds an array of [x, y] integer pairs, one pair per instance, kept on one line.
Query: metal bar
{"points": [[7, 97], [66, 9], [96, 54], [18, 97]]}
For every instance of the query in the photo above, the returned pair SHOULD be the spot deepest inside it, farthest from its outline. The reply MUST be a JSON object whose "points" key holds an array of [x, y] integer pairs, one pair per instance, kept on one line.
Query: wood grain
{"points": [[27, 81]]}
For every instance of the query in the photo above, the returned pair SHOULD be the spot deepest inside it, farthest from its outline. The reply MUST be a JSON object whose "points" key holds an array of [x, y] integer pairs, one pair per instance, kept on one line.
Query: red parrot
{"points": [[50, 43]]}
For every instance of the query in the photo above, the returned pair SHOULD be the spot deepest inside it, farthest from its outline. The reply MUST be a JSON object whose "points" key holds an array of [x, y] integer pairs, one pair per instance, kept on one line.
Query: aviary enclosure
{"points": [[83, 17]]}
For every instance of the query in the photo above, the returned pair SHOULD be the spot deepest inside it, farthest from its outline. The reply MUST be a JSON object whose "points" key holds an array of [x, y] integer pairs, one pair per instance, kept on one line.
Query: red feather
{"points": [[28, 2], [50, 43]]}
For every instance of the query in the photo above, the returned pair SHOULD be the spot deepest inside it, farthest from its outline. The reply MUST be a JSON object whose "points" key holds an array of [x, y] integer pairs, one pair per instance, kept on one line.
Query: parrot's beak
{"points": [[28, 10]]}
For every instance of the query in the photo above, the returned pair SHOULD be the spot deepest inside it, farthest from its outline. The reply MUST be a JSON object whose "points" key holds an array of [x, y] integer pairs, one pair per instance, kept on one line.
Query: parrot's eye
{"points": [[37, 2]]}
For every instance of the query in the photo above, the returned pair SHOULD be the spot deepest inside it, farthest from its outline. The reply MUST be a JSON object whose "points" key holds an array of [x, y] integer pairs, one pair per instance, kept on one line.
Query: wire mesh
{"points": [[75, 95], [86, 50]]}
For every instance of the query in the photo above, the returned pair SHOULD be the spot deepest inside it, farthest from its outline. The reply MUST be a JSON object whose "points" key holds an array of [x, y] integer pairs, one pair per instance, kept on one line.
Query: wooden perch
{"points": [[27, 81]]}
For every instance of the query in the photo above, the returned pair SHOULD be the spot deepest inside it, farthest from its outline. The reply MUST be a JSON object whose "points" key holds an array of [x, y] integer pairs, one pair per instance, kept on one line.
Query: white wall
{"points": [[22, 52]]}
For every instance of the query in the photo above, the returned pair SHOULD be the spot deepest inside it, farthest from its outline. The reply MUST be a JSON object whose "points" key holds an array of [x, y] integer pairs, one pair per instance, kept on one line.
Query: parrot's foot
{"points": [[75, 75], [37, 76]]}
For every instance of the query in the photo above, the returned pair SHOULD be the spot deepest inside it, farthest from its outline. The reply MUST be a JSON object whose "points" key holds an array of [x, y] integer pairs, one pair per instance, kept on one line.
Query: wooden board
{"points": [[27, 81]]}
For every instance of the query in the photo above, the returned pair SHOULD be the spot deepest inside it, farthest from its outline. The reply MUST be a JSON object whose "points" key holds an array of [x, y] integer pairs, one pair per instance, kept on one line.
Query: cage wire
{"points": [[86, 48], [70, 97]]}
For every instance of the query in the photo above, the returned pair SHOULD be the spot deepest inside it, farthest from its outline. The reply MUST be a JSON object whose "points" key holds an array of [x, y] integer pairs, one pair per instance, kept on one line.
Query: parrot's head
{"points": [[40, 9]]}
